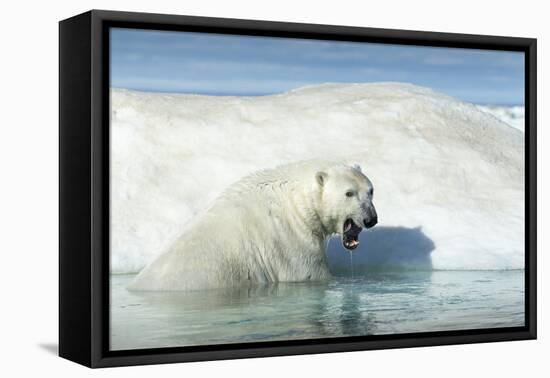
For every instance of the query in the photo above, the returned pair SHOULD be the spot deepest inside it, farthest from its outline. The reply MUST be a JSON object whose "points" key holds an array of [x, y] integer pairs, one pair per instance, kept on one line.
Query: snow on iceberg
{"points": [[448, 177], [512, 115]]}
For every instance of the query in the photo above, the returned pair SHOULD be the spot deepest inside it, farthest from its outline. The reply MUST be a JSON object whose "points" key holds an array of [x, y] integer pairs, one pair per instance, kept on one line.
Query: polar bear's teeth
{"points": [[351, 243], [348, 227]]}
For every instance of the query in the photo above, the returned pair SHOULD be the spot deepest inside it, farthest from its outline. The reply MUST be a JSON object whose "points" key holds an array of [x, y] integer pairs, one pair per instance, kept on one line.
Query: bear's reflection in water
{"points": [[375, 303]]}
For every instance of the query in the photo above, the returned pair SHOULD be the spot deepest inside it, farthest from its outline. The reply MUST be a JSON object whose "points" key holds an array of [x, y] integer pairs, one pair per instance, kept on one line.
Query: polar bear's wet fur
{"points": [[270, 226]]}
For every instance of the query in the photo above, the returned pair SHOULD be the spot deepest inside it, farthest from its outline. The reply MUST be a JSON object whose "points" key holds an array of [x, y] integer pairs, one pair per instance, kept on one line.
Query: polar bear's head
{"points": [[345, 204]]}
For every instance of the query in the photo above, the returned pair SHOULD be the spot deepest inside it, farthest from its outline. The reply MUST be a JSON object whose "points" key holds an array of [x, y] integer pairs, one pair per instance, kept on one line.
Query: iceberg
{"points": [[448, 176]]}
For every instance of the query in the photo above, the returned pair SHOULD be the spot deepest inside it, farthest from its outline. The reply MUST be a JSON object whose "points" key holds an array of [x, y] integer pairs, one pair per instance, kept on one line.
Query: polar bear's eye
{"points": [[371, 192], [350, 193]]}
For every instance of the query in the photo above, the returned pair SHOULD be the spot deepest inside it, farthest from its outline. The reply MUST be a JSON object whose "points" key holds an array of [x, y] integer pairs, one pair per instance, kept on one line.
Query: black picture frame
{"points": [[84, 188]]}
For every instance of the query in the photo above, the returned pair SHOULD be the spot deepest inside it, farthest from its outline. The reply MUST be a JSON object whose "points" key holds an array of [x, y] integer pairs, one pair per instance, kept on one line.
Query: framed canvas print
{"points": [[235, 188]]}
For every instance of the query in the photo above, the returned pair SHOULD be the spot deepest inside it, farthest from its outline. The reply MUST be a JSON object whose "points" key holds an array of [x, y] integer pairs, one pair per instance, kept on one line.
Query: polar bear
{"points": [[269, 227]]}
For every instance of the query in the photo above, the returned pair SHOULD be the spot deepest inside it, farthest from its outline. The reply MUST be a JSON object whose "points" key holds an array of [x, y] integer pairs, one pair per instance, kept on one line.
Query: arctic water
{"points": [[373, 303]]}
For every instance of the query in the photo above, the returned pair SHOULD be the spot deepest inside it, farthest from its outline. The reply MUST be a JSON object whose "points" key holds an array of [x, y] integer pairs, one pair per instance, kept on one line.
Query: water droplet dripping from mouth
{"points": [[351, 262]]}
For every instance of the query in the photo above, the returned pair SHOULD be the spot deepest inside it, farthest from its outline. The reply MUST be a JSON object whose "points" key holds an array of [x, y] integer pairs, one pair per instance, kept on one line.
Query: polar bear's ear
{"points": [[321, 178], [357, 167]]}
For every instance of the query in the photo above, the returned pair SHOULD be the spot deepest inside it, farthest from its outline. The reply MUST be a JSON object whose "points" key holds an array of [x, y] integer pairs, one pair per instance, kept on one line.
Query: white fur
{"points": [[268, 227]]}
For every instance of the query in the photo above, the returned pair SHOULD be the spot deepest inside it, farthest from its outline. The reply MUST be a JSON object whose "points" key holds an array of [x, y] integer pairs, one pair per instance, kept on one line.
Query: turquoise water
{"points": [[377, 303]]}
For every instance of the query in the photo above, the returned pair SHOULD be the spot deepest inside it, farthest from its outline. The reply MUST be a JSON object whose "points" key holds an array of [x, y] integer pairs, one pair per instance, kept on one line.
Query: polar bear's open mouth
{"points": [[350, 235]]}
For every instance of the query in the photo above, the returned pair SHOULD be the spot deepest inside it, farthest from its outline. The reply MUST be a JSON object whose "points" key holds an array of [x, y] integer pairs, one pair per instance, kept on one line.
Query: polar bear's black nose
{"points": [[371, 222]]}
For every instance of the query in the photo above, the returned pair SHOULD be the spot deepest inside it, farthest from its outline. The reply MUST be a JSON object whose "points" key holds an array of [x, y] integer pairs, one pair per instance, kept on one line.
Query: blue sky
{"points": [[217, 64]]}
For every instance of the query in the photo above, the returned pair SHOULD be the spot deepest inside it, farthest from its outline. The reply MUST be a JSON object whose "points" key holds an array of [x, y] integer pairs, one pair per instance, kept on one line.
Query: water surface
{"points": [[373, 304]]}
